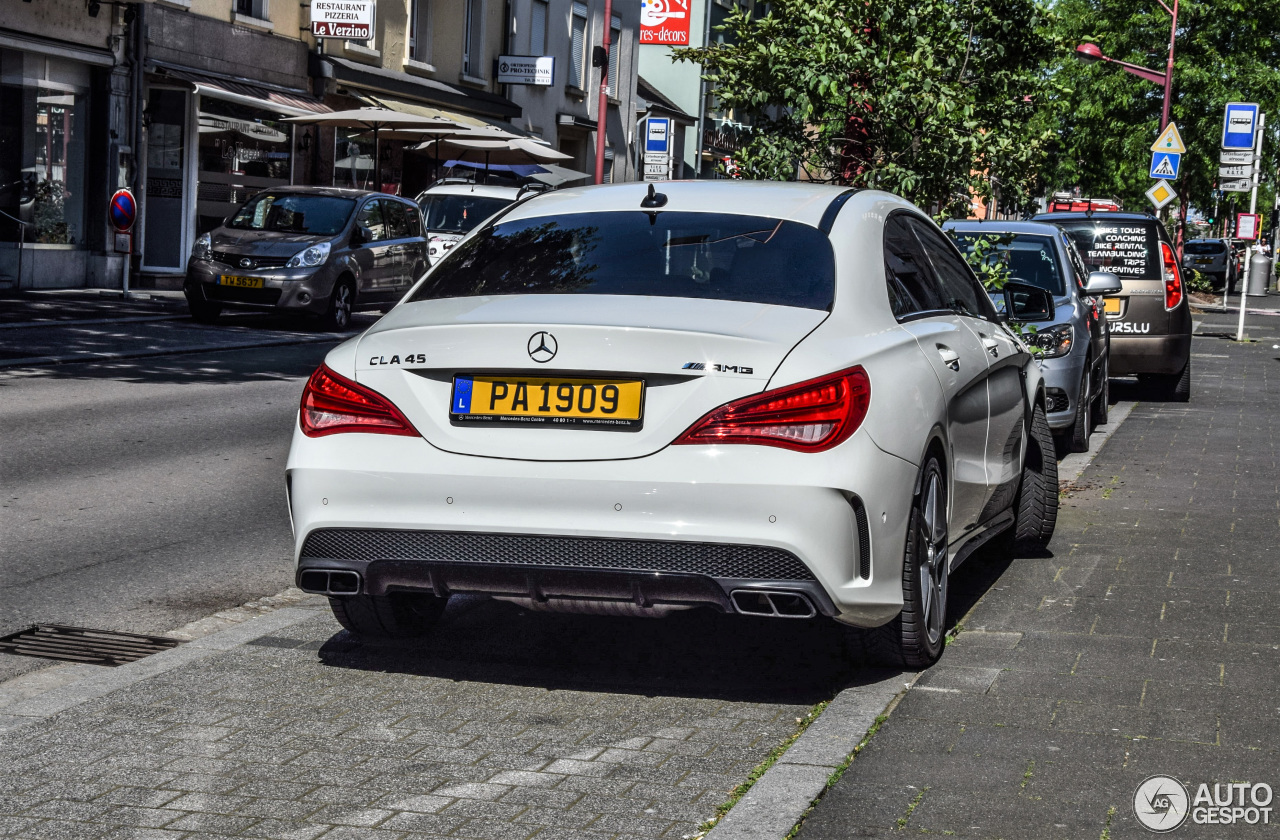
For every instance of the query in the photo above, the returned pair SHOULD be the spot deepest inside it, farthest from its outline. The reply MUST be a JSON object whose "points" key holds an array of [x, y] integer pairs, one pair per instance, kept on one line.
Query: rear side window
{"points": [[716, 256], [1127, 248], [913, 288], [961, 291], [1198, 247]]}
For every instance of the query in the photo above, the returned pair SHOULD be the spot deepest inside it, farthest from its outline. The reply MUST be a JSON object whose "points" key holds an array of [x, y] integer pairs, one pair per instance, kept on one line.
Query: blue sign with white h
{"points": [[1165, 165], [1239, 124], [658, 135]]}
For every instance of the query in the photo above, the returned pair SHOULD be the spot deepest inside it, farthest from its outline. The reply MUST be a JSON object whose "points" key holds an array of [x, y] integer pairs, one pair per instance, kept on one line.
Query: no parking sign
{"points": [[123, 210]]}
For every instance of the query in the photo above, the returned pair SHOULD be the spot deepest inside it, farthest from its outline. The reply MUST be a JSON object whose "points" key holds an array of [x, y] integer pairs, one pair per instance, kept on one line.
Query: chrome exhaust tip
{"points": [[772, 603], [329, 582]]}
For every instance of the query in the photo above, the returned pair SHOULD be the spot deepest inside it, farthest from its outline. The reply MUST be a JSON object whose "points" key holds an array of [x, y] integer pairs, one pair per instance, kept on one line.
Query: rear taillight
{"points": [[1172, 277], [811, 416], [332, 404]]}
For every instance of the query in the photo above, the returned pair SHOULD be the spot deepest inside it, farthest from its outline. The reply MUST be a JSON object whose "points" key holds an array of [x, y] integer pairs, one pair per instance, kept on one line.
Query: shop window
{"points": [[578, 46], [538, 28], [420, 30], [44, 114], [166, 201], [242, 150], [473, 40], [353, 159], [252, 8]]}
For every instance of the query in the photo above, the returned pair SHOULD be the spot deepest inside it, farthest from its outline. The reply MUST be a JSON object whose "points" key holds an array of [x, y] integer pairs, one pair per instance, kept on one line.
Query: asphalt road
{"points": [[140, 495]]}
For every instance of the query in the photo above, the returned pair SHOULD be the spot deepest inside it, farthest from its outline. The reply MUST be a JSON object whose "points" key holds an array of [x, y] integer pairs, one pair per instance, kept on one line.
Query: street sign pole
{"points": [[1253, 208]]}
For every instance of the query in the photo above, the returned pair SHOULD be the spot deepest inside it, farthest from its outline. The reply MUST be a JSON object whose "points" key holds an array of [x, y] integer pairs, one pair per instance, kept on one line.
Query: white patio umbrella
{"points": [[375, 120], [506, 151]]}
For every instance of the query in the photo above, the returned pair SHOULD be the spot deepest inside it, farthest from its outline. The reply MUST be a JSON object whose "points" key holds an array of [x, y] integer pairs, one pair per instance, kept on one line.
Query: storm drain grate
{"points": [[79, 644]]}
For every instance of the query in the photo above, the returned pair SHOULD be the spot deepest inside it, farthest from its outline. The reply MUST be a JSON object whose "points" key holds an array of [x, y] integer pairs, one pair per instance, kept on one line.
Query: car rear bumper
{"points": [[1164, 354], [292, 289], [685, 527]]}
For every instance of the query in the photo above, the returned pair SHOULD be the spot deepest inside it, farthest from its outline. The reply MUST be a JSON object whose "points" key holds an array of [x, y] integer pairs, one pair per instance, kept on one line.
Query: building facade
{"points": [[718, 132], [565, 112], [186, 102]]}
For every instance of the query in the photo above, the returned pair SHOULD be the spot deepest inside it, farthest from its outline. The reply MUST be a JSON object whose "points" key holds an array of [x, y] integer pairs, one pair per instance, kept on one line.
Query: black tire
{"points": [[1035, 508], [400, 615], [915, 638], [337, 316], [1175, 387], [1080, 429], [203, 311], [1101, 403]]}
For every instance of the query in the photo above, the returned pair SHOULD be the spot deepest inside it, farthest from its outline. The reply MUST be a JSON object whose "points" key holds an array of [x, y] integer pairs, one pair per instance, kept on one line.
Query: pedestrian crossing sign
{"points": [[1161, 194], [1165, 165], [1169, 141]]}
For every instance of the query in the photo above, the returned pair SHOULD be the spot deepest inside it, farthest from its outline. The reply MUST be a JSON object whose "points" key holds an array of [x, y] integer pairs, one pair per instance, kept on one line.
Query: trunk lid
{"points": [[413, 354]]}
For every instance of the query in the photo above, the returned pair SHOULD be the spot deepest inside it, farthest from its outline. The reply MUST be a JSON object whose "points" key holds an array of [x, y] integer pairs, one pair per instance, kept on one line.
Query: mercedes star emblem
{"points": [[246, 263], [542, 346]]}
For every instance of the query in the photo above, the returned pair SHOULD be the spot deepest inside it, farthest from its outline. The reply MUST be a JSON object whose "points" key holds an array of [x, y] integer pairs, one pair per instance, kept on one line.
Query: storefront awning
{"points": [[244, 93], [429, 92], [421, 109]]}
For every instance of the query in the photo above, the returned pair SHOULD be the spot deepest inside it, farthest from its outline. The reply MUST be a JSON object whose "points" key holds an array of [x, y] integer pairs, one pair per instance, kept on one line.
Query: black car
{"points": [[315, 250], [1150, 321]]}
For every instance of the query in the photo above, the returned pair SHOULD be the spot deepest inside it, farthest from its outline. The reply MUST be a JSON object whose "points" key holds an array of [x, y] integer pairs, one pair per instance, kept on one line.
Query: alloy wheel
{"points": [[932, 558]]}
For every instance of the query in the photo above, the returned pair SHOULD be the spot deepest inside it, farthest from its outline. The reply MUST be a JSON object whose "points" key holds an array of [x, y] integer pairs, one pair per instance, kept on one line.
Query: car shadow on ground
{"points": [[693, 653]]}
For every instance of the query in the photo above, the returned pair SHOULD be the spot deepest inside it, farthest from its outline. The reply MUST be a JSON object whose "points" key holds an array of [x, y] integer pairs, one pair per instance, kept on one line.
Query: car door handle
{"points": [[993, 347], [950, 358]]}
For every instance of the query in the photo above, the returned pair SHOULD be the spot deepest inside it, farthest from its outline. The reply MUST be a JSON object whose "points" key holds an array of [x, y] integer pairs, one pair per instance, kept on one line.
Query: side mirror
{"points": [[360, 235], [1026, 303], [1102, 283]]}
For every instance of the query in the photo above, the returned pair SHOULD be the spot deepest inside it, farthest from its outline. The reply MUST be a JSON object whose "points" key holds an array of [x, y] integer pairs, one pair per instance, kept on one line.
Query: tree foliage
{"points": [[1105, 120], [930, 99]]}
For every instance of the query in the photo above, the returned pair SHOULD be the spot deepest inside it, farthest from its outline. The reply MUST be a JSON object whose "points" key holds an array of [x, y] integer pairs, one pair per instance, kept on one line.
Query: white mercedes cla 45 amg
{"points": [[779, 400]]}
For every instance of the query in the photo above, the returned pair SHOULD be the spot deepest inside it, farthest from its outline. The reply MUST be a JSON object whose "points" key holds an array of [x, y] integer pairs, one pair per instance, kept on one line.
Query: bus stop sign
{"points": [[123, 211]]}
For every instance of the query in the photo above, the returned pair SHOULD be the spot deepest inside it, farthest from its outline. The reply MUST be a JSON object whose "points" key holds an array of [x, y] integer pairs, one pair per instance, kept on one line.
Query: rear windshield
{"points": [[662, 254], [459, 213], [1125, 248], [1204, 248], [1028, 258], [321, 215]]}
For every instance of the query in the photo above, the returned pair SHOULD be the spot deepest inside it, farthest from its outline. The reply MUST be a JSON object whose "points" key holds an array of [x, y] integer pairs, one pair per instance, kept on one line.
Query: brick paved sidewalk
{"points": [[1146, 644], [501, 725]]}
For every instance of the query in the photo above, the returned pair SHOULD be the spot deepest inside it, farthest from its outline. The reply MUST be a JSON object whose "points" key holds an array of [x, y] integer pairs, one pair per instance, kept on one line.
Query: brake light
{"points": [[1172, 277], [332, 404], [811, 416]]}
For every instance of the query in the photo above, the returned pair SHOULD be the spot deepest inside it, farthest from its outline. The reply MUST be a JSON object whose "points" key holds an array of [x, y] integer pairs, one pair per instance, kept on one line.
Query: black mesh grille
{"points": [[255, 261], [864, 539], [712, 559]]}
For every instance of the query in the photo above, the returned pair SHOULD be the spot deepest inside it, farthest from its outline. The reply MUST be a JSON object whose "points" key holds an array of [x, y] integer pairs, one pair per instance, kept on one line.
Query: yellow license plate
{"points": [[240, 282], [552, 400], [1111, 305]]}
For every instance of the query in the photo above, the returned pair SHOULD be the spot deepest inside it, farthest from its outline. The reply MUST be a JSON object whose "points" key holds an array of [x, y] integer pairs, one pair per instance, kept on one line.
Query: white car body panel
{"points": [[554, 481]]}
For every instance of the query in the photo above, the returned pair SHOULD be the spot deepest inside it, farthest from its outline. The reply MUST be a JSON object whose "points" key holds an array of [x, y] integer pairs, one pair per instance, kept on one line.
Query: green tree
{"points": [[930, 99], [1105, 120]]}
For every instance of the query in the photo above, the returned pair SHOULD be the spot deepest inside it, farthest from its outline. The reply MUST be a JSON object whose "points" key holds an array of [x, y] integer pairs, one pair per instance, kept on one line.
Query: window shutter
{"points": [[577, 46], [615, 35], [538, 28]]}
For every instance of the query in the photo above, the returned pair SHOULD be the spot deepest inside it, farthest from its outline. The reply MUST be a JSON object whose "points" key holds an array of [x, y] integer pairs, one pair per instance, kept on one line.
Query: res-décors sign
{"points": [[351, 19]]}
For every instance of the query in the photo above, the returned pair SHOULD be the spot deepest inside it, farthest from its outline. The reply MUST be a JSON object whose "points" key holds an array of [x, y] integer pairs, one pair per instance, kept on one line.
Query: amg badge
{"points": [[717, 367]]}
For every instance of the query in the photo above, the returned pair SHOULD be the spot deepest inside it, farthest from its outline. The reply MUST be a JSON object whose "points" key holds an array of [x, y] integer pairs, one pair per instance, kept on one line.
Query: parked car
{"points": [[1150, 320], [453, 206], [1074, 346], [1213, 258], [781, 400], [312, 250]]}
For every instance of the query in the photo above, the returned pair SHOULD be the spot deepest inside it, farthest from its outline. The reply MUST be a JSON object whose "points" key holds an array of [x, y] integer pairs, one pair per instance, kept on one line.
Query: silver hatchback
{"points": [[311, 250], [1075, 345]]}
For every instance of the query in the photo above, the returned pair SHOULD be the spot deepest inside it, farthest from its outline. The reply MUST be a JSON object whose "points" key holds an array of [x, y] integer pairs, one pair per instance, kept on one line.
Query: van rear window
{"points": [[1126, 248]]}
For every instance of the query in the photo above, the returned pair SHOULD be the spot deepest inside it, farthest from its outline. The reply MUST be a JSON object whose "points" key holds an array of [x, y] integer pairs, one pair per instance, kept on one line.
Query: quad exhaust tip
{"points": [[327, 582], [772, 603]]}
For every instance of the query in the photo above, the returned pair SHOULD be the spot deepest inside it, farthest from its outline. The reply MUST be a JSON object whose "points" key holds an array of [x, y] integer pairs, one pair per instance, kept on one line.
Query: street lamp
{"points": [[1090, 53]]}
